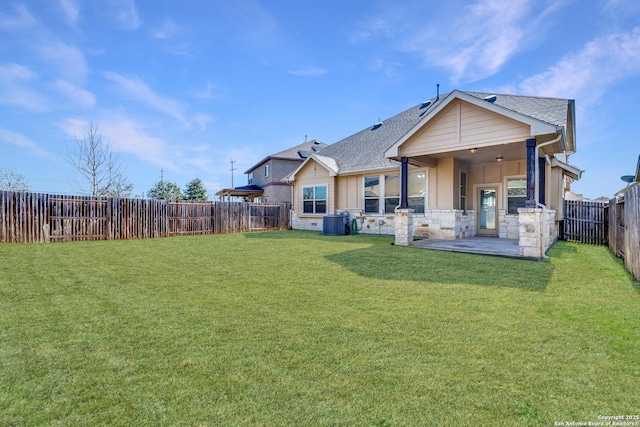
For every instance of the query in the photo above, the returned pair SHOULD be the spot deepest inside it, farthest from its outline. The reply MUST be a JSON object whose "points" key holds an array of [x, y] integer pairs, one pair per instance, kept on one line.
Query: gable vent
{"points": [[491, 98]]}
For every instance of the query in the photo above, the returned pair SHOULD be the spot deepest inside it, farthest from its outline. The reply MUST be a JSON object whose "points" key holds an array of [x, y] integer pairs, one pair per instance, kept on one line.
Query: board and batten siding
{"points": [[461, 126], [349, 192], [314, 174]]}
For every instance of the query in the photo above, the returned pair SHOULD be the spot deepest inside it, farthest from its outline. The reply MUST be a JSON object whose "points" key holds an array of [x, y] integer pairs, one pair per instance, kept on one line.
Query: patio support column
{"points": [[404, 183], [531, 173]]}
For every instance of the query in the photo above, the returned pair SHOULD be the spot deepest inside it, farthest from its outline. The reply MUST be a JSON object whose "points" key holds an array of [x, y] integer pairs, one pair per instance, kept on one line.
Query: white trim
{"points": [[302, 199], [537, 127], [505, 196], [466, 196]]}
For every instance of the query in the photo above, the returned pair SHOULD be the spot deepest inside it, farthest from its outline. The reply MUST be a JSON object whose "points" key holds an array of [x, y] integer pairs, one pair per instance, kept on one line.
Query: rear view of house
{"points": [[460, 165]]}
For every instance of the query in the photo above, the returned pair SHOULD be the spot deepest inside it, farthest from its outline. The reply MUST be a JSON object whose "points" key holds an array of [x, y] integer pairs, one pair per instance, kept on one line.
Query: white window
{"points": [[372, 194], [463, 191], [266, 171], [250, 178], [314, 199], [386, 189], [391, 193], [516, 194], [417, 191]]}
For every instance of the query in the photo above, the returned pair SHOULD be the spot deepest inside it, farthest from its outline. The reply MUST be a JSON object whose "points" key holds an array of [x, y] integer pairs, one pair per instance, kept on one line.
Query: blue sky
{"points": [[185, 86]]}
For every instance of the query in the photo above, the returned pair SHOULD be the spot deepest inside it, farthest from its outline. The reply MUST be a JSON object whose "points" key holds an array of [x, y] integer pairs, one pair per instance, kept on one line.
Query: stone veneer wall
{"points": [[508, 227], [446, 224], [530, 231]]}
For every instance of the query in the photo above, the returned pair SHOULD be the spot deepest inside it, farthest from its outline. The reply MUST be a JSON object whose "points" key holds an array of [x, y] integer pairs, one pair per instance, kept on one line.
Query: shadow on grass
{"points": [[316, 235], [381, 260], [395, 263]]}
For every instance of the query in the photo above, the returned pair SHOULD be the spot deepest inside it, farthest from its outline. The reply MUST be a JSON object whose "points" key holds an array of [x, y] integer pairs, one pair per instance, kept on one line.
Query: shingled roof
{"points": [[299, 152], [365, 150]]}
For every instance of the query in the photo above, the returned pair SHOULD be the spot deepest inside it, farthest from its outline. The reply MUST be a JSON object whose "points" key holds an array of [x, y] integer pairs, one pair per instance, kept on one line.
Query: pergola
{"points": [[250, 192]]}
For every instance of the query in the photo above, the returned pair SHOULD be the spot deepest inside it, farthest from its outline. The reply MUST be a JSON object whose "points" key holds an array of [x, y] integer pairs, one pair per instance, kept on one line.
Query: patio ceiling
{"points": [[509, 152]]}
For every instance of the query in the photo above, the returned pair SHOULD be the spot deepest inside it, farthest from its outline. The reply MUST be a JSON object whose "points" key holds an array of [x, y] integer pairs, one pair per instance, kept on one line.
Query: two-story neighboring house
{"points": [[264, 179]]}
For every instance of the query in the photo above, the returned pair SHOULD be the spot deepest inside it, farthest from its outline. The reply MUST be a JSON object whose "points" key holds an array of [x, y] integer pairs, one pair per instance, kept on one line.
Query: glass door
{"points": [[488, 211]]}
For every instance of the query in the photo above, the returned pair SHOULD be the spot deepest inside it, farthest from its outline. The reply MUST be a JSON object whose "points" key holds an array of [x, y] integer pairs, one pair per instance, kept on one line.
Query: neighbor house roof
{"points": [[365, 150], [299, 152]]}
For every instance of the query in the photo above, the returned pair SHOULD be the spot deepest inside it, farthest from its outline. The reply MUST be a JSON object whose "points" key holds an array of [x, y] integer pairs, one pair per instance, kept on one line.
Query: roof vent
{"points": [[491, 98], [377, 126], [304, 154], [425, 104]]}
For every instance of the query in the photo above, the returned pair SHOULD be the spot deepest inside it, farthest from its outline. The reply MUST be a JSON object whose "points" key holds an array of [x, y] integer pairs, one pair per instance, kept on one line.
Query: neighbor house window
{"points": [[371, 194], [516, 194], [314, 199], [417, 191], [391, 193], [463, 191], [251, 178], [266, 171]]}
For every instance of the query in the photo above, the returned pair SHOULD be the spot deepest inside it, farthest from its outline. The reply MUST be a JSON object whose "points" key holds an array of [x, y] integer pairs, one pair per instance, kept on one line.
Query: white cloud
{"points": [[18, 140], [125, 135], [308, 71], [14, 71], [589, 72], [81, 97], [479, 43], [16, 88], [71, 11], [167, 30], [68, 60], [124, 13], [138, 90], [470, 41], [135, 88], [23, 20]]}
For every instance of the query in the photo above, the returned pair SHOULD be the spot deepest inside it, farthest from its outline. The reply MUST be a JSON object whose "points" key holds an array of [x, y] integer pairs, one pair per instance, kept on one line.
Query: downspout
{"points": [[537, 193]]}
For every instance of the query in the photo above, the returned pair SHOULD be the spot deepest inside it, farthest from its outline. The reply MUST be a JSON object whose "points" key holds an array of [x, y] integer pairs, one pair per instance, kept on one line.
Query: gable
{"points": [[310, 170], [462, 125]]}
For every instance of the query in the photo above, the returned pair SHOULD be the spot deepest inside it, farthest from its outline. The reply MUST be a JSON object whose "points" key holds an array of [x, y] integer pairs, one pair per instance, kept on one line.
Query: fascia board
{"points": [[538, 127]]}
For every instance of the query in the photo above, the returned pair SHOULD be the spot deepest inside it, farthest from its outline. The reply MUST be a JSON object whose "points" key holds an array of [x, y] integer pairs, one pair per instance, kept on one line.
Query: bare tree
{"points": [[100, 168], [11, 180]]}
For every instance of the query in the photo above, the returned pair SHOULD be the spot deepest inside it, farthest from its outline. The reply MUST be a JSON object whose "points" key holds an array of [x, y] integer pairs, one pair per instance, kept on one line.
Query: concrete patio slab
{"points": [[474, 245]]}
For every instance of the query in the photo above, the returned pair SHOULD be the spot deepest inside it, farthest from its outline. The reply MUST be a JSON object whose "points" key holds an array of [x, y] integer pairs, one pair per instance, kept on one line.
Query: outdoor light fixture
{"points": [[473, 150], [499, 158]]}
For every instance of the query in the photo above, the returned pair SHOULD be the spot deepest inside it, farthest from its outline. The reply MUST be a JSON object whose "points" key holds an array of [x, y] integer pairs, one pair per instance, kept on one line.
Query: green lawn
{"points": [[295, 328]]}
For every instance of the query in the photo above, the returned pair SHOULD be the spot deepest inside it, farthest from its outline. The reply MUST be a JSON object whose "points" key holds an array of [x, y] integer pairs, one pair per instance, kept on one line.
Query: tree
{"points": [[100, 168], [10, 180], [165, 190], [195, 190]]}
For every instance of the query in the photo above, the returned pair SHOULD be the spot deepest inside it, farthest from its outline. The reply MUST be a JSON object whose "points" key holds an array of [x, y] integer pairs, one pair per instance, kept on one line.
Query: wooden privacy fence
{"points": [[585, 222], [624, 229], [36, 217]]}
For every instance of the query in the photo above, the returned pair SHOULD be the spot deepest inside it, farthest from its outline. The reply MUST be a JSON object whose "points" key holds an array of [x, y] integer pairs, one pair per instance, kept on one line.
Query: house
{"points": [[265, 178], [459, 165]]}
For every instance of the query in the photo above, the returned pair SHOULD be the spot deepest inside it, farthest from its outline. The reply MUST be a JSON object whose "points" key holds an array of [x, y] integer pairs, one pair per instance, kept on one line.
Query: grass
{"points": [[295, 328]]}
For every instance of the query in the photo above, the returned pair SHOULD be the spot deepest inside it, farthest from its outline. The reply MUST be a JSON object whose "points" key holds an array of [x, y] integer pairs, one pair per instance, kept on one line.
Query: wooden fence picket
{"points": [[36, 217]]}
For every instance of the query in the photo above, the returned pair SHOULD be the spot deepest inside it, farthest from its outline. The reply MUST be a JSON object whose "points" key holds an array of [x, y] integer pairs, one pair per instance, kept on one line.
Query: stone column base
{"points": [[404, 227]]}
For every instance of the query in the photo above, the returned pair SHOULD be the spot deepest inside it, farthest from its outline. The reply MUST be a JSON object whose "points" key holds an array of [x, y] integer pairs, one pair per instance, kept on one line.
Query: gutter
{"points": [[537, 191]]}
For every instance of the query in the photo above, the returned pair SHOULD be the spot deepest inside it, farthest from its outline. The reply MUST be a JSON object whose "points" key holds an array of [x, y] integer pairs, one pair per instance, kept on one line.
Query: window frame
{"points": [[382, 198], [266, 170], [506, 193], [423, 198], [462, 196], [376, 198], [315, 200], [250, 178]]}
